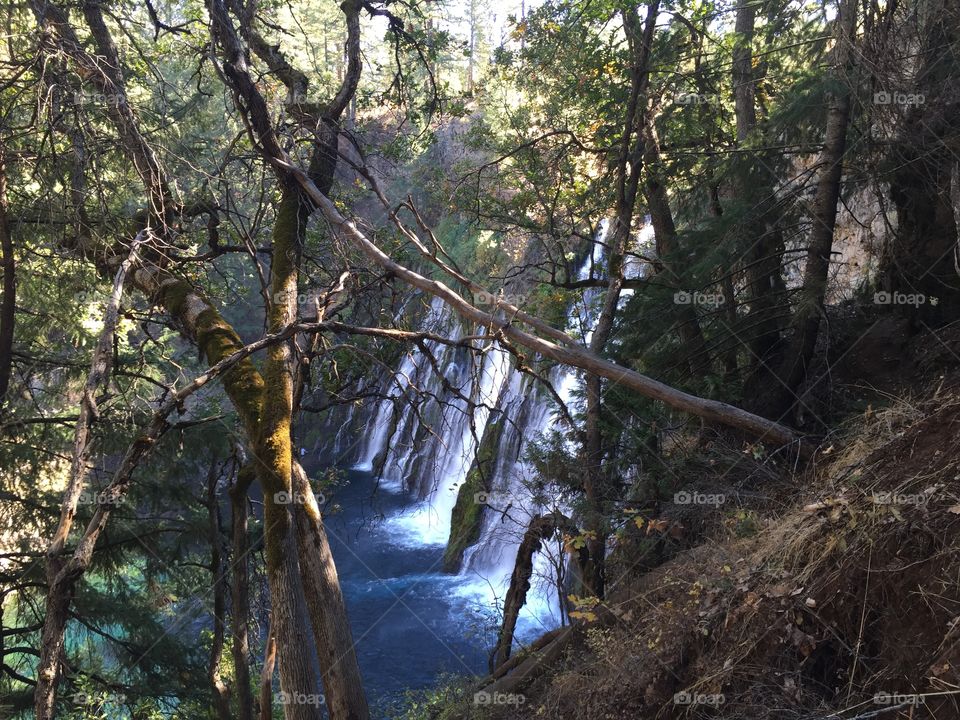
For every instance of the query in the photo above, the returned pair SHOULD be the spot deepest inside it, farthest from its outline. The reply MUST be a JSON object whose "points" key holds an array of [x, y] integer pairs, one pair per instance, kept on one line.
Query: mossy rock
{"points": [[466, 520]]}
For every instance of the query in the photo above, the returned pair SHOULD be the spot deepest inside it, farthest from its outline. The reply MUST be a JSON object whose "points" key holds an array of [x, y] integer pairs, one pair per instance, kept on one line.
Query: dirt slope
{"points": [[845, 606]]}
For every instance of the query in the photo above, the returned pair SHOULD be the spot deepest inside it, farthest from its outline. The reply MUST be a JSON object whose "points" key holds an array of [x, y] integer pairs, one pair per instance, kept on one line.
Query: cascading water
{"points": [[453, 446], [428, 448], [421, 441], [529, 413]]}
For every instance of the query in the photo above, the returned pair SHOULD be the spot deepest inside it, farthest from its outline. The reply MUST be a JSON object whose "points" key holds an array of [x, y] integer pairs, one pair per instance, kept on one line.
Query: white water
{"points": [[427, 448], [460, 432], [534, 416]]}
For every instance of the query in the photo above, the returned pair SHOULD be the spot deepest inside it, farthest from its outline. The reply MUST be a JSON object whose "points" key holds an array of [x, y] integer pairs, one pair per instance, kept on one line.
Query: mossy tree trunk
{"points": [[263, 403]]}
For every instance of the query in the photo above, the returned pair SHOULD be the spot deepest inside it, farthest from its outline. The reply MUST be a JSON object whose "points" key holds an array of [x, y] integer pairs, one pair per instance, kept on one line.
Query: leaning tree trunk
{"points": [[806, 321], [669, 258], [539, 529], [61, 584], [266, 427], [335, 647]]}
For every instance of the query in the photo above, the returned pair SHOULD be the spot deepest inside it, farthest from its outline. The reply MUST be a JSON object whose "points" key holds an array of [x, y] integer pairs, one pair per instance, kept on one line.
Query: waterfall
{"points": [[421, 438], [452, 448], [530, 414], [424, 435]]}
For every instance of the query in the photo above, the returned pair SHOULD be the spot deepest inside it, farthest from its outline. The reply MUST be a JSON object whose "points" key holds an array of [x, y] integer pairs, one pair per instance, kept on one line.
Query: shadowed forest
{"points": [[480, 360]]}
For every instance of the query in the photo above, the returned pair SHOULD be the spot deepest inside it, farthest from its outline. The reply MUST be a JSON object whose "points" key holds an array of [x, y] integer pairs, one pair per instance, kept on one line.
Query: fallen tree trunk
{"points": [[535, 664], [263, 133], [537, 645], [712, 410]]}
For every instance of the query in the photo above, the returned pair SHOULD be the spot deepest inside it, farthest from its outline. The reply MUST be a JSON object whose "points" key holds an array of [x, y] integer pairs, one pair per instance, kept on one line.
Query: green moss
{"points": [[466, 520], [465, 524], [216, 340], [173, 296], [244, 385], [273, 444]]}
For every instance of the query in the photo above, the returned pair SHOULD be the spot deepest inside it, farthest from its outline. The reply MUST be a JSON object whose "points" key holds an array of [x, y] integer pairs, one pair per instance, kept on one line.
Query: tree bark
{"points": [[922, 256], [539, 529], [338, 659], [536, 664], [8, 302], [266, 676], [668, 251], [273, 458], [806, 320], [221, 692], [240, 593]]}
